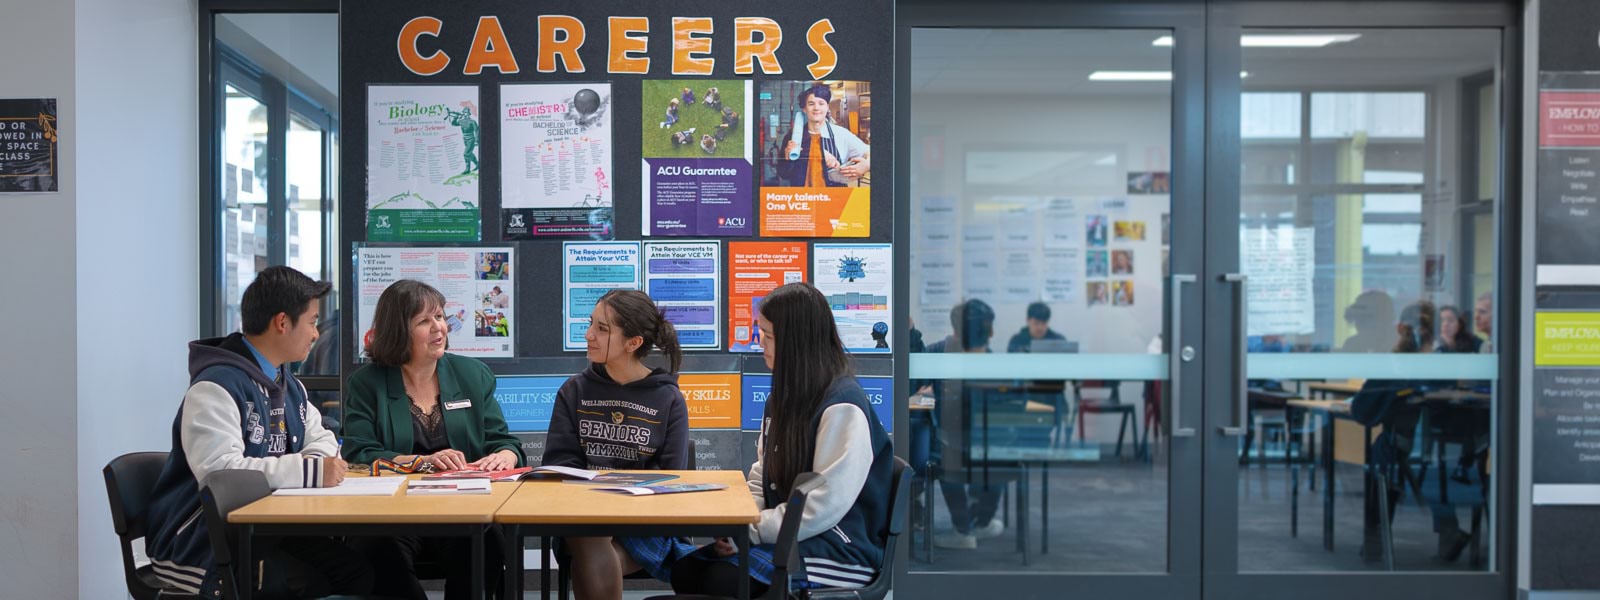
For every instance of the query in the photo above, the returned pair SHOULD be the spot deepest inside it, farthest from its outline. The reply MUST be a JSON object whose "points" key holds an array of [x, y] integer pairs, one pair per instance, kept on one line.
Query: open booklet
{"points": [[570, 474], [671, 488]]}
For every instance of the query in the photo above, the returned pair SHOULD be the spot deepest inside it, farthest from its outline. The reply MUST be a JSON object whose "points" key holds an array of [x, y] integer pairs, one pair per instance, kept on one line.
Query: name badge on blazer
{"points": [[458, 404]]}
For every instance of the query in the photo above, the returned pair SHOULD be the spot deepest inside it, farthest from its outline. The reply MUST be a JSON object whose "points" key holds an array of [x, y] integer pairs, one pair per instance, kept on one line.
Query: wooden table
{"points": [[553, 508], [1330, 389], [437, 515]]}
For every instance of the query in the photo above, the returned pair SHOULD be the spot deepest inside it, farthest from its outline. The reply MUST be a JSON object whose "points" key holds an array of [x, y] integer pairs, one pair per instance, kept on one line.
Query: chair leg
{"points": [[1294, 501], [927, 515], [1122, 427], [1044, 508], [1385, 534], [1475, 551]]}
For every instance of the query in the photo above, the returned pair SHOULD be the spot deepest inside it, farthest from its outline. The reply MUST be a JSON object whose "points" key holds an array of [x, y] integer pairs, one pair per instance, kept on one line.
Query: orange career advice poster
{"points": [[754, 269]]}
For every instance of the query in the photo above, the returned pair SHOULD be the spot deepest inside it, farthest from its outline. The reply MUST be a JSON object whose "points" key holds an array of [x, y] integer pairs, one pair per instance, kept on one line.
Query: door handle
{"points": [[1241, 284], [1175, 359]]}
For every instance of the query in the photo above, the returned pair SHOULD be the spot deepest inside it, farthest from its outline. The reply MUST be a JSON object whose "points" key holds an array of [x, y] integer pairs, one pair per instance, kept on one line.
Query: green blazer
{"points": [[377, 413]]}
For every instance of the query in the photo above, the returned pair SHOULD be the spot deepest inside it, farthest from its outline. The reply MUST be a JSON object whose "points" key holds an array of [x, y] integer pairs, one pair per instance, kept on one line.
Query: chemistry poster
{"points": [[697, 171], [816, 159], [755, 269], [683, 278], [422, 163], [478, 286], [858, 282], [555, 161], [589, 270]]}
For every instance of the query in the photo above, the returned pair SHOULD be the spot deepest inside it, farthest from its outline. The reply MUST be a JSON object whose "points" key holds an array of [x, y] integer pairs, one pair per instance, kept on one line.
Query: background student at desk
{"points": [[244, 410], [417, 403], [972, 504]]}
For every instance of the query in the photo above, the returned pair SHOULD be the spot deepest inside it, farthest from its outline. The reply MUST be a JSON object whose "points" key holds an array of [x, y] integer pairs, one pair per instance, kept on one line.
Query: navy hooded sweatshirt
{"points": [[601, 424]]}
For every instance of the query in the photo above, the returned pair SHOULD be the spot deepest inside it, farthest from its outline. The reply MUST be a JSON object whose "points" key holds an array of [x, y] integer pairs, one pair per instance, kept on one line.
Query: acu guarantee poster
{"points": [[816, 172], [696, 147]]}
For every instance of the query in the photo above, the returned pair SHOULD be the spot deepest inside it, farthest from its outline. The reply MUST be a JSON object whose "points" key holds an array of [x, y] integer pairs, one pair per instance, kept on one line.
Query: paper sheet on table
{"points": [[351, 486]]}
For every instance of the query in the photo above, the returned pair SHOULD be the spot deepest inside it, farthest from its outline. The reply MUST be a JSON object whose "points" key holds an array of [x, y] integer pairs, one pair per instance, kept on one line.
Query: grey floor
{"points": [[1111, 516]]}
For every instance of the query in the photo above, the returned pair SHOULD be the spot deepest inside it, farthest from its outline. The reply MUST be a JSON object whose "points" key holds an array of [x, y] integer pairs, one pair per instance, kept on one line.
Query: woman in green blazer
{"points": [[416, 401]]}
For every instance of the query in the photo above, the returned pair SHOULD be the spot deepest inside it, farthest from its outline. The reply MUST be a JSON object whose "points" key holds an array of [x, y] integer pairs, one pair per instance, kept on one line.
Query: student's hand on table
{"points": [[504, 459], [926, 390], [333, 469], [447, 460], [724, 547]]}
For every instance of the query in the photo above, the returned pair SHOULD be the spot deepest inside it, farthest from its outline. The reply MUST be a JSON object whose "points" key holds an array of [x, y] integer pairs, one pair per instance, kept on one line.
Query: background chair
{"points": [[1110, 405], [130, 479]]}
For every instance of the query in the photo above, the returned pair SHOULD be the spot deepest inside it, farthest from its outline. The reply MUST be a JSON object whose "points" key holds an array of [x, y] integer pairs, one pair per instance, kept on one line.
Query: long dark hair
{"points": [[637, 315], [1464, 339], [808, 358]]}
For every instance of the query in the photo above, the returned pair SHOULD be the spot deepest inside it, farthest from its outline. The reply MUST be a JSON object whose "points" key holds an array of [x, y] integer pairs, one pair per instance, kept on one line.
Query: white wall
{"points": [[38, 407], [946, 128], [136, 237]]}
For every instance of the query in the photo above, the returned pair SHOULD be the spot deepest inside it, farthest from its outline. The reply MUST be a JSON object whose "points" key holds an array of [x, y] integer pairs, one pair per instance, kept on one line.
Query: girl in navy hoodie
{"points": [[621, 414], [818, 420]]}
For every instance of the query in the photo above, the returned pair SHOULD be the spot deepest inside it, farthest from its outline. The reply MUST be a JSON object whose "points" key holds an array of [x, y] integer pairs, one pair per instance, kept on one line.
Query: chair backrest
{"points": [[221, 493], [130, 480], [899, 507], [786, 550]]}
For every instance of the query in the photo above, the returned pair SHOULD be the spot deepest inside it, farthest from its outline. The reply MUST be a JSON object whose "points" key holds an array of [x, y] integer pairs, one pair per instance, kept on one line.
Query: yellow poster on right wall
{"points": [[1566, 339], [816, 159]]}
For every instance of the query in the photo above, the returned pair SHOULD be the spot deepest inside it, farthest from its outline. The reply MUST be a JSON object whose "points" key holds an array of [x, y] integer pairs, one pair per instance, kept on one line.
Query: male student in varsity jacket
{"points": [[245, 410]]}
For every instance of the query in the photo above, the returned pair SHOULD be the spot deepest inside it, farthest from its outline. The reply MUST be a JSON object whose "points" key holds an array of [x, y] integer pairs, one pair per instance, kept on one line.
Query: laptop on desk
{"points": [[1053, 346]]}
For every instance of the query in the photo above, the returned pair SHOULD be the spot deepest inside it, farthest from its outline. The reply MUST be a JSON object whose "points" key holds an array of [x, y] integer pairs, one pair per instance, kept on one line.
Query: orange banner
{"points": [[816, 212], [713, 399]]}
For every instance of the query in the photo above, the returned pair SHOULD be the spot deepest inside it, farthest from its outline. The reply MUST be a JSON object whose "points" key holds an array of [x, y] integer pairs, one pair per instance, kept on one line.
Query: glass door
{"points": [[1052, 160], [1354, 397]]}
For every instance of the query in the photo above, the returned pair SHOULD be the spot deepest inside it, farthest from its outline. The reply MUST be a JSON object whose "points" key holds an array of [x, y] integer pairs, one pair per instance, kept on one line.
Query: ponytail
{"points": [[667, 340], [638, 316]]}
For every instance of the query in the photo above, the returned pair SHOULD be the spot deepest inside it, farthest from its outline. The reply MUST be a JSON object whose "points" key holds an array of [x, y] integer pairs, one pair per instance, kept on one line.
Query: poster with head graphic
{"points": [[816, 159], [422, 163], [695, 140], [556, 172]]}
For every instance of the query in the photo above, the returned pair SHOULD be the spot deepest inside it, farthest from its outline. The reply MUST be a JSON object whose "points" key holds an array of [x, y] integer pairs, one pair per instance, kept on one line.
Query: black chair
{"points": [[1111, 405], [899, 503], [786, 551], [786, 557], [224, 492], [130, 479]]}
